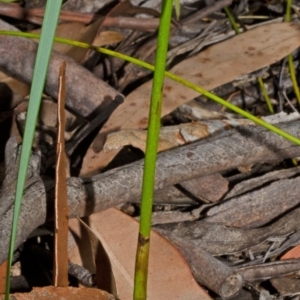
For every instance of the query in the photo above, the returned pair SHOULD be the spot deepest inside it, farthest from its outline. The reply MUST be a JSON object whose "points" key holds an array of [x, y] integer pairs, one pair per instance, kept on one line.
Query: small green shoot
{"points": [[265, 94], [177, 8], [231, 20], [39, 76]]}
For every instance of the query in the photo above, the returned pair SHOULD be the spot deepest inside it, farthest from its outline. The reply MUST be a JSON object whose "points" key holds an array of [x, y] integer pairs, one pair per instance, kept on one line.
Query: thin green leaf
{"points": [[232, 20], [174, 77], [265, 94], [142, 255], [177, 8], [39, 76]]}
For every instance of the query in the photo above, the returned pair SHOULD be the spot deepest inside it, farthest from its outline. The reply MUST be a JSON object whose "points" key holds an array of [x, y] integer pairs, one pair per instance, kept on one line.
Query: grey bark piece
{"points": [[33, 210], [286, 286], [240, 146], [172, 195], [85, 93], [208, 270], [259, 207], [253, 183], [218, 239], [261, 272]]}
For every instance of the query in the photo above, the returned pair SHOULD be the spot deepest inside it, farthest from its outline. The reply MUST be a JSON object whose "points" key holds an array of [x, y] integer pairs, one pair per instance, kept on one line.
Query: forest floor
{"points": [[226, 204]]}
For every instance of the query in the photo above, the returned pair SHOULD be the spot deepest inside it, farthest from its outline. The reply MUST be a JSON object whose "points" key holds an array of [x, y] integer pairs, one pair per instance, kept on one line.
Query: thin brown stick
{"points": [[36, 14]]}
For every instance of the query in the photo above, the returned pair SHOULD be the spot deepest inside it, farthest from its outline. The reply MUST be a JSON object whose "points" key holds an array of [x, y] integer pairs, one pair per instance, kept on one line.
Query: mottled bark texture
{"points": [[33, 209], [244, 145], [219, 239], [85, 93], [208, 270]]}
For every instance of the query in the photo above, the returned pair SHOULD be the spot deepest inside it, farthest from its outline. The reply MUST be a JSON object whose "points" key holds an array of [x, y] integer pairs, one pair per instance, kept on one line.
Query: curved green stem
{"points": [[167, 74]]}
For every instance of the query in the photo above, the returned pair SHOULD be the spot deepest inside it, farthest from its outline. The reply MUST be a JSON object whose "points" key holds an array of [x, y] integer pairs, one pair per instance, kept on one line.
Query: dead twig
{"points": [[243, 145]]}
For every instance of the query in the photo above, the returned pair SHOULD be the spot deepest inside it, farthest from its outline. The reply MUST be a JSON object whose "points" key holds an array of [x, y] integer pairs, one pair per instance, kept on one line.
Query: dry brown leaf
{"points": [[217, 65], [75, 31], [169, 136], [169, 275], [86, 34], [107, 38], [293, 253], [47, 121], [210, 188], [99, 260], [59, 293], [3, 269], [177, 135], [48, 116], [60, 268], [19, 87]]}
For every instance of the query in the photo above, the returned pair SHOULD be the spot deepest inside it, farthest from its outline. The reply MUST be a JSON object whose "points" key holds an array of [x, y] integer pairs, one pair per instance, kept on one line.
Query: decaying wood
{"points": [[258, 207], [85, 92], [286, 286], [258, 182], [266, 271], [218, 239], [208, 270], [240, 146], [291, 241]]}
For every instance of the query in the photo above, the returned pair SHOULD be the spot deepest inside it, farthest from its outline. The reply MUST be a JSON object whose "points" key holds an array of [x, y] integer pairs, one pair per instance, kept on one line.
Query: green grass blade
{"points": [[232, 20], [39, 76], [142, 255], [265, 94], [167, 74], [177, 8], [288, 11]]}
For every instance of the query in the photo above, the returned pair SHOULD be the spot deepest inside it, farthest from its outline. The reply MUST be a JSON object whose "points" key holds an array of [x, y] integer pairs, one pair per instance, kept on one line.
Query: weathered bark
{"points": [[85, 93], [207, 270], [240, 146], [265, 271], [218, 239]]}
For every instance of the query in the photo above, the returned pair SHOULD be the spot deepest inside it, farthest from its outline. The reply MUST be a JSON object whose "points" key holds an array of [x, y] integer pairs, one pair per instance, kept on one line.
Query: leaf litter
{"points": [[240, 219]]}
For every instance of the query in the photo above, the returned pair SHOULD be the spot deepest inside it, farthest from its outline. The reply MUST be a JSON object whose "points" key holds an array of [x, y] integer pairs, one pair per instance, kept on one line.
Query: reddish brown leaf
{"points": [[169, 276], [3, 269], [293, 253], [60, 269]]}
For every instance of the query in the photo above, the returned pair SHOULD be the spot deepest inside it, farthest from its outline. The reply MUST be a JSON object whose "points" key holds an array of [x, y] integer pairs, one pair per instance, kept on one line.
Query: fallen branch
{"points": [[85, 93], [243, 145]]}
